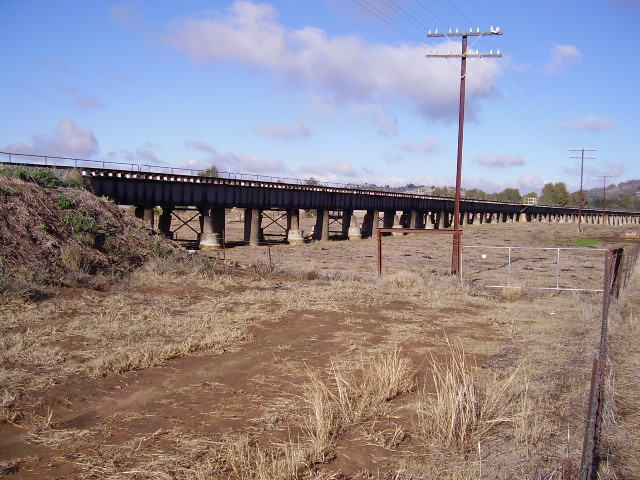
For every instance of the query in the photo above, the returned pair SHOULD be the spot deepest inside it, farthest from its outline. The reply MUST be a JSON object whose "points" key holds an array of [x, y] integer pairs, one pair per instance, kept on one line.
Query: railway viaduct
{"points": [[213, 196]]}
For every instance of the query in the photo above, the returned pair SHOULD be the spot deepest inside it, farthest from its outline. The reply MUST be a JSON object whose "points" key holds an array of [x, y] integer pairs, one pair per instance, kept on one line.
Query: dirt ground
{"points": [[285, 313]]}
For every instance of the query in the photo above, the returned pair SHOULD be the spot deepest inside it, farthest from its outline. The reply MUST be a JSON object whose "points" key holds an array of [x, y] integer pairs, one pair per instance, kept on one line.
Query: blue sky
{"points": [[338, 90]]}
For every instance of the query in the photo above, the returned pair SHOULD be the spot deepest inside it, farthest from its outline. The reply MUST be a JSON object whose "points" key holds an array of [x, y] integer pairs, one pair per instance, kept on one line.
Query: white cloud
{"points": [[287, 132], [54, 63], [203, 146], [428, 145], [499, 160], [346, 69], [614, 169], [81, 101], [593, 123], [68, 139], [332, 172], [234, 162], [562, 57]]}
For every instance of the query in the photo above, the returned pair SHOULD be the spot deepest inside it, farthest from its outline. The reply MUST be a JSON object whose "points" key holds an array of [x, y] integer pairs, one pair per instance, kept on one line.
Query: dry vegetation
{"points": [[188, 368]]}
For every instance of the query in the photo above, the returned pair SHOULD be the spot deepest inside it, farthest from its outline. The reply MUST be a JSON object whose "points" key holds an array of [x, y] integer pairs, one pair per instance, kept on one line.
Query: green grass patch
{"points": [[581, 242], [42, 176]]}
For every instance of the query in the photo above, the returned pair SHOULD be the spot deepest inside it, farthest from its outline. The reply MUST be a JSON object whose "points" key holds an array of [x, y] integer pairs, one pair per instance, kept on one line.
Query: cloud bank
{"points": [[345, 68], [68, 139]]}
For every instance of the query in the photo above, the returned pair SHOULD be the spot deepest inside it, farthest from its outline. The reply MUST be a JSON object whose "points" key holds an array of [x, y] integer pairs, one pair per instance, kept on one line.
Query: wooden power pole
{"points": [[581, 157], [463, 55]]}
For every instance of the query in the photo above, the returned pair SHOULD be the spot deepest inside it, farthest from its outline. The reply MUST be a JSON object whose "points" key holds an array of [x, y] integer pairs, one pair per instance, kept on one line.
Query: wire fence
{"points": [[543, 268], [619, 267]]}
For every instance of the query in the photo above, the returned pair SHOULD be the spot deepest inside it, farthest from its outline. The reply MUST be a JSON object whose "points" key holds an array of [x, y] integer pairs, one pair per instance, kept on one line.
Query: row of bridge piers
{"points": [[213, 221]]}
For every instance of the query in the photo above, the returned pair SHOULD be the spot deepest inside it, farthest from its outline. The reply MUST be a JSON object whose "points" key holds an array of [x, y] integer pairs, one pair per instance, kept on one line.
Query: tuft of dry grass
{"points": [[512, 294], [352, 393], [464, 408], [243, 457]]}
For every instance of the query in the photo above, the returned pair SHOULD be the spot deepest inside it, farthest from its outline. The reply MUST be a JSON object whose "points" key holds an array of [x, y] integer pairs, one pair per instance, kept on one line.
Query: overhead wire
{"points": [[537, 107]]}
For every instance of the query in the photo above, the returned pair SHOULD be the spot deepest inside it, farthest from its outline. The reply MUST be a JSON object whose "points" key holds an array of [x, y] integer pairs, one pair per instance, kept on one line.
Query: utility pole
{"points": [[604, 196], [463, 55], [581, 157]]}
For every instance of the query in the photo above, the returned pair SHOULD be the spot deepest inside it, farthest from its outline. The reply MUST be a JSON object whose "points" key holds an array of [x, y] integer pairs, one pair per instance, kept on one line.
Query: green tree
{"points": [[311, 181], [509, 195], [555, 194], [442, 192], [626, 202], [475, 193], [211, 172], [574, 199]]}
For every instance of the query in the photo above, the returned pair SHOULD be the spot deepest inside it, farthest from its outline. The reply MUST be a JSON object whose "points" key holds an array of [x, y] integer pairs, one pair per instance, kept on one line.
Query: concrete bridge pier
{"points": [[321, 228], [441, 218], [350, 228], [428, 221], [370, 224], [146, 214], [389, 218], [416, 219], [212, 226], [396, 222], [522, 217], [164, 222], [470, 217], [294, 234], [252, 226]]}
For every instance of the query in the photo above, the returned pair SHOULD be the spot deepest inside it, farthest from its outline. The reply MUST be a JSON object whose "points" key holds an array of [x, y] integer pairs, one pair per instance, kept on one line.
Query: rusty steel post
{"points": [[379, 233]]}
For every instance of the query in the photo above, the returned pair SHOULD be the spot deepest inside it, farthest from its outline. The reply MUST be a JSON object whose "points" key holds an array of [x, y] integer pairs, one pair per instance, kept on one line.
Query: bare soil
{"points": [[72, 408]]}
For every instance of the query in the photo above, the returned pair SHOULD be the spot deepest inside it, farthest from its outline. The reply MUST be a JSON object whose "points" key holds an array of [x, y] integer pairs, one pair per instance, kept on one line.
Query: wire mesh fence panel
{"points": [[528, 267]]}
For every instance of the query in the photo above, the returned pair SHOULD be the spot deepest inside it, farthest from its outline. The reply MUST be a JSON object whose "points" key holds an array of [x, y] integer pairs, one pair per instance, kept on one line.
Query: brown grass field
{"points": [[299, 362]]}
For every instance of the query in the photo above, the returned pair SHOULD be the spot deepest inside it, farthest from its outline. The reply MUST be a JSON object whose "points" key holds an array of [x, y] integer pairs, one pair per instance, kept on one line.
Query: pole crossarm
{"points": [[465, 53]]}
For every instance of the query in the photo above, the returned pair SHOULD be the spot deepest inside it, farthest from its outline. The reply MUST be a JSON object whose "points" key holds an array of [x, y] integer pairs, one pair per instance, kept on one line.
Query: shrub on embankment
{"points": [[54, 233]]}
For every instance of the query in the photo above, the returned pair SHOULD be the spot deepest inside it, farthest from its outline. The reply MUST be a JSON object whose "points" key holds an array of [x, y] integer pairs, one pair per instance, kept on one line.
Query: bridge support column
{"points": [[441, 218], [396, 223], [164, 222], [252, 226], [210, 228], [294, 234], [416, 219], [321, 228], [522, 217], [350, 225], [428, 221], [146, 214], [370, 224]]}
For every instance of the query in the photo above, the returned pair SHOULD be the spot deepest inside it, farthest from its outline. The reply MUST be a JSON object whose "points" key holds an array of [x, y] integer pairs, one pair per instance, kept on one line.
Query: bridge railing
{"points": [[70, 162]]}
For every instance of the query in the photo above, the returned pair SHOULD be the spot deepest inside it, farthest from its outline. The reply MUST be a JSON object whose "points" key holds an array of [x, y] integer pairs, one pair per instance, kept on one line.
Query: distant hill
{"points": [[630, 187]]}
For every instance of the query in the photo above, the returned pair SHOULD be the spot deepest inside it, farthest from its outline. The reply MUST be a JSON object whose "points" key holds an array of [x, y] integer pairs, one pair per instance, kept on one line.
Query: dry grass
{"points": [[352, 393], [465, 409]]}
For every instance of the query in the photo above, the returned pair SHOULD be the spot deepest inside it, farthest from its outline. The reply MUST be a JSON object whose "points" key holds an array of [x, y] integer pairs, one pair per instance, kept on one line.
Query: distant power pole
{"points": [[463, 55], [604, 196], [581, 157]]}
